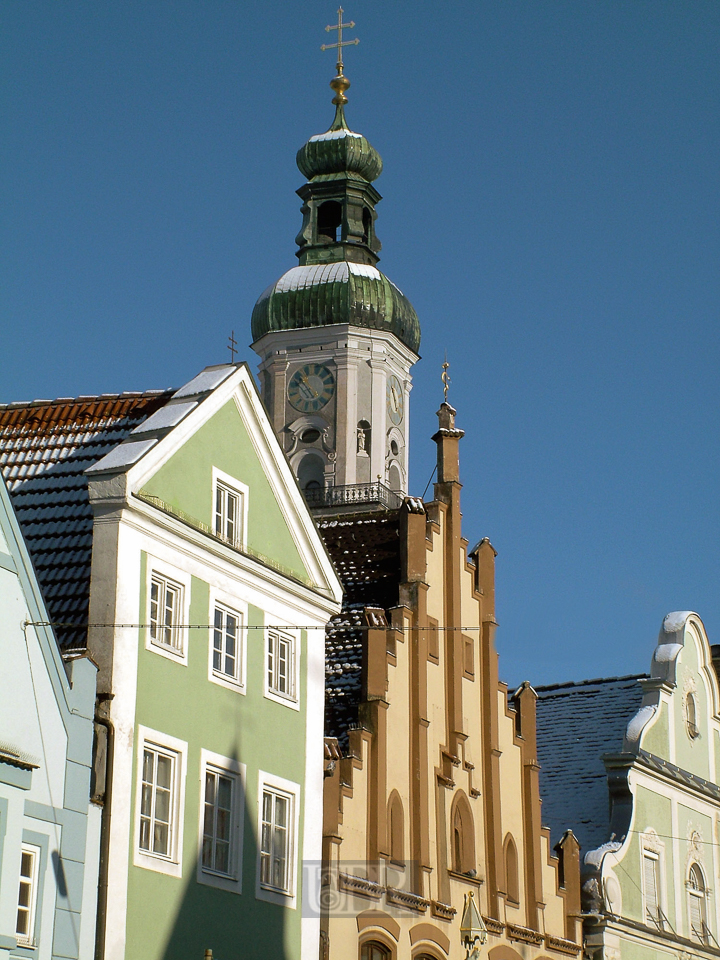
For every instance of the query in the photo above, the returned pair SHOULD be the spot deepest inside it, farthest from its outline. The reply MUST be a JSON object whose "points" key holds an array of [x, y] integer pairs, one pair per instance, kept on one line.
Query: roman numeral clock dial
{"points": [[395, 403], [310, 388]]}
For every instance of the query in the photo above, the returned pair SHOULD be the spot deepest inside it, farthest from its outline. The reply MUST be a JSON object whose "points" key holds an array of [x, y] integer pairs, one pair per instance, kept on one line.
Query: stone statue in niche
{"points": [[363, 438]]}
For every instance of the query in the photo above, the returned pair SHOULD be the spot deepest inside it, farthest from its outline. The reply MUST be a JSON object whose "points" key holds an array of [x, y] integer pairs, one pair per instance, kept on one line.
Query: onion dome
{"points": [[322, 294], [337, 281], [339, 151]]}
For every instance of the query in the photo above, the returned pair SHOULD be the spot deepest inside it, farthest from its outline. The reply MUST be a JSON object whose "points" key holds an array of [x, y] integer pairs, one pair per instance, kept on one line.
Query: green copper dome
{"points": [[339, 151], [321, 294]]}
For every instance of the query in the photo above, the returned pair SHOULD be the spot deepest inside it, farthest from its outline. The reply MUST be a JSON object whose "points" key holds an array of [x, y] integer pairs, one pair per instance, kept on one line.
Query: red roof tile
{"points": [[45, 447]]}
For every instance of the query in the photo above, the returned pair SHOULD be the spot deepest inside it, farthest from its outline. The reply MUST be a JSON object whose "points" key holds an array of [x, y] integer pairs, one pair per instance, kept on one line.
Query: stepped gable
{"points": [[365, 549], [576, 724], [45, 447]]}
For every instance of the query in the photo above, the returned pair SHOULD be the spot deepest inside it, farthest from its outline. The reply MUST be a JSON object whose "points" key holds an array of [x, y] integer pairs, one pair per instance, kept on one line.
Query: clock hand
{"points": [[307, 384]]}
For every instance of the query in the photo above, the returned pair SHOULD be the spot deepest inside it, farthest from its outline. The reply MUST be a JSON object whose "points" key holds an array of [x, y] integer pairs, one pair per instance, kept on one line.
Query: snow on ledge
{"points": [[639, 722], [593, 858]]}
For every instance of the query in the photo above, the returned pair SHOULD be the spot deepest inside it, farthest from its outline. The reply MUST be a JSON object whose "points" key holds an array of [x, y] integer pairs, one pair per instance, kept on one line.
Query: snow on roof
{"points": [[45, 448], [365, 550], [124, 455], [206, 380], [576, 724], [168, 416]]}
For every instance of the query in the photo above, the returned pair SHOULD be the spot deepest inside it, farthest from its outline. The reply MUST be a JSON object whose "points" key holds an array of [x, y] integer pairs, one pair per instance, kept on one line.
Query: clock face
{"points": [[395, 401], [311, 387]]}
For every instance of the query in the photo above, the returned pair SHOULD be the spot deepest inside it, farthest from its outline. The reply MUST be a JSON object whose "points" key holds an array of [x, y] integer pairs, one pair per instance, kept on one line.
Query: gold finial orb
{"points": [[340, 83]]}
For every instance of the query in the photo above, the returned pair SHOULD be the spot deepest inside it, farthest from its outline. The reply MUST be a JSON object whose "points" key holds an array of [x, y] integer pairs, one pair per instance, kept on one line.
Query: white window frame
{"points": [[273, 635], [35, 852], [652, 848], [240, 608], [177, 749], [236, 771], [159, 570], [291, 791], [241, 491], [701, 899]]}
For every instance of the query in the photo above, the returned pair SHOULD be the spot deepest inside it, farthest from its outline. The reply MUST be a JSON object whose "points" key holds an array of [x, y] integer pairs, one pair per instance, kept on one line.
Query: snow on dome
{"points": [[334, 135]]}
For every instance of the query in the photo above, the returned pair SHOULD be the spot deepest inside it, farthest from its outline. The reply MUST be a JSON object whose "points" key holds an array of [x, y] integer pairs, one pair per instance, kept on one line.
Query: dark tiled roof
{"points": [[576, 724], [365, 549], [44, 448]]}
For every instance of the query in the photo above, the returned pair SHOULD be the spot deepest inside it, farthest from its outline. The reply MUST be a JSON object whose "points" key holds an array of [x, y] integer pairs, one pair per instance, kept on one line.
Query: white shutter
{"points": [[650, 871], [696, 920]]}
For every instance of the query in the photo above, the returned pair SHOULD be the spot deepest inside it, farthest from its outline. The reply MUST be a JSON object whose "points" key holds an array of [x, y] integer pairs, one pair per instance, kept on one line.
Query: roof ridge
{"points": [[587, 683], [87, 398]]}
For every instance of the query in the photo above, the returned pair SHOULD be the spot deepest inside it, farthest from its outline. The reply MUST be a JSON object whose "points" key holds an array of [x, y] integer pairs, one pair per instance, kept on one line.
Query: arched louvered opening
{"points": [[367, 226], [512, 878], [329, 219], [311, 473], [396, 828], [395, 478], [463, 836]]}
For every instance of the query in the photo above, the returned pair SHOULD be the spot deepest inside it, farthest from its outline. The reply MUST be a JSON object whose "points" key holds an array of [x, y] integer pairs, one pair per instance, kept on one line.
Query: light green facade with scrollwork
{"points": [[656, 886]]}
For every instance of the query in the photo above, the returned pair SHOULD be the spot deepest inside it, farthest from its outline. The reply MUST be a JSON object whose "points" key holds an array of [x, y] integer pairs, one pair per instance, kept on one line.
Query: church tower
{"points": [[336, 338]]}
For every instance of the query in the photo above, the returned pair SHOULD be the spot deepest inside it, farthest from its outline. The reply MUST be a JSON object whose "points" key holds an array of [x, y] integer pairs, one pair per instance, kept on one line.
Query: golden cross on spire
{"points": [[340, 26], [446, 377]]}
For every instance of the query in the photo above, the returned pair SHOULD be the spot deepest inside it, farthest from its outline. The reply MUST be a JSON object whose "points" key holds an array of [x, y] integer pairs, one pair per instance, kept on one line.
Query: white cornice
{"points": [[195, 545]]}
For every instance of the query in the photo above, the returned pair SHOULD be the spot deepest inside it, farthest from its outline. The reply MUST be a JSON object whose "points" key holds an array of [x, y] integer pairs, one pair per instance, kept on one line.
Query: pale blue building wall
{"points": [[46, 742]]}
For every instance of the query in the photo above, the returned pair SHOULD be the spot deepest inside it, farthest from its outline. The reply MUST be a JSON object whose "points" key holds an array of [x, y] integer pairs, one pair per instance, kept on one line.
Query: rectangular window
{"points": [[281, 664], [165, 610], [275, 842], [218, 822], [222, 810], [433, 635], [227, 640], [157, 802], [653, 913], [27, 895], [228, 514], [468, 658]]}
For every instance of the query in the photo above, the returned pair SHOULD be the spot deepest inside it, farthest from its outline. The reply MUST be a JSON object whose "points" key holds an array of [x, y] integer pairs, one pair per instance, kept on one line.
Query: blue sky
{"points": [[551, 209]]}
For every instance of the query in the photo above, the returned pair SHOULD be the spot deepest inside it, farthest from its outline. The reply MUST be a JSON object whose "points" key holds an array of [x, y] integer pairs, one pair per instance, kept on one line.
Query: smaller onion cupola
{"points": [[339, 198]]}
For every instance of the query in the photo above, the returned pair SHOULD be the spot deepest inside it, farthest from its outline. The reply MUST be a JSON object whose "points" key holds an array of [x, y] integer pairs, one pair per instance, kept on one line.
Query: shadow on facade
{"points": [[235, 926]]}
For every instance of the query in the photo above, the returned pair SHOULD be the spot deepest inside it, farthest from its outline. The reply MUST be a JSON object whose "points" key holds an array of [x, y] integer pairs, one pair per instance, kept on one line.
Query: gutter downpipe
{"points": [[101, 917]]}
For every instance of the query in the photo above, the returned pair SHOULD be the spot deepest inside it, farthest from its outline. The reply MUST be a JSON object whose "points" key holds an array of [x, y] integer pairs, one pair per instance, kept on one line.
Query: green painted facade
{"points": [[666, 812], [185, 483], [242, 727], [180, 701]]}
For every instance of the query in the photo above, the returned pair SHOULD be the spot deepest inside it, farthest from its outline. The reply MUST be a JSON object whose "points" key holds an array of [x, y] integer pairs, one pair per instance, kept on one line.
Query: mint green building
{"points": [[173, 544], [49, 830], [651, 855]]}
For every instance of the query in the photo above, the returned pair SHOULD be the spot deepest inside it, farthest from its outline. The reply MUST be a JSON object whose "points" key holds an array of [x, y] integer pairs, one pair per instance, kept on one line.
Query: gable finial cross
{"points": [[446, 377], [340, 26], [232, 346]]}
